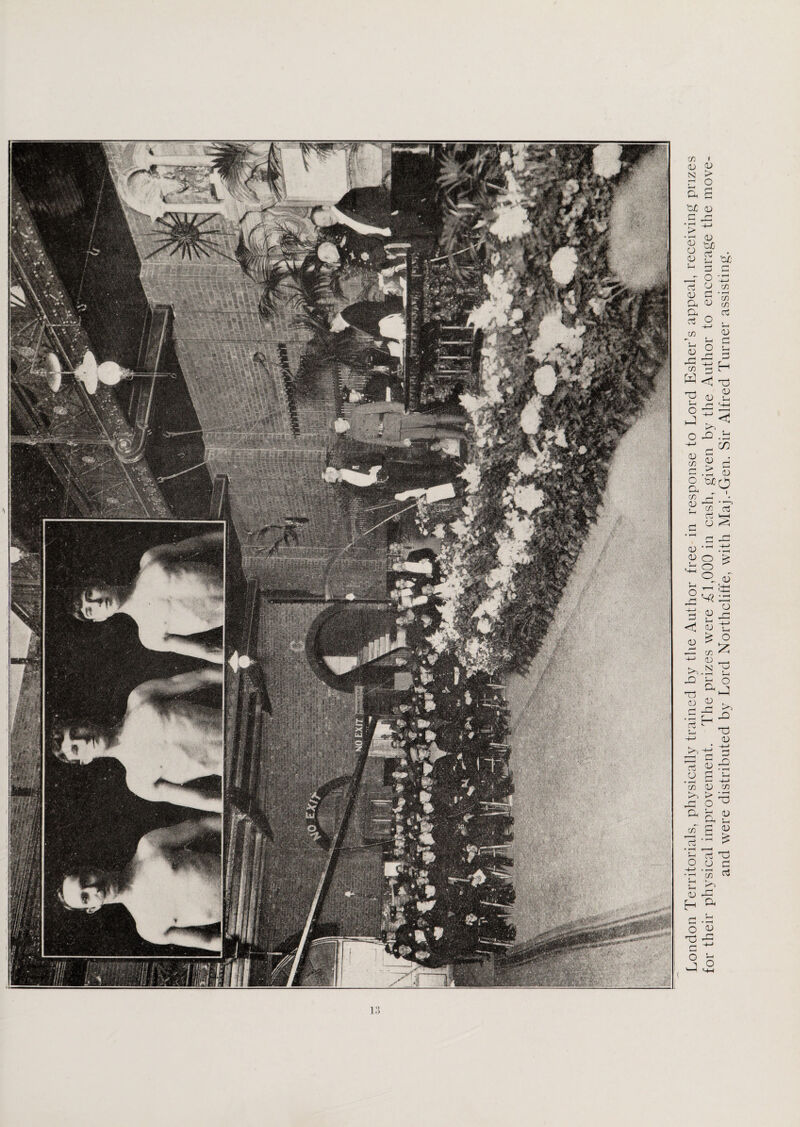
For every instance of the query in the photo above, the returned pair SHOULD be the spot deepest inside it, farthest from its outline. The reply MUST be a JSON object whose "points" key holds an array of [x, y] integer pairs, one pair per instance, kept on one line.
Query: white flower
{"points": [[563, 265], [574, 338], [586, 372], [511, 223], [438, 531], [526, 464], [552, 333], [530, 419], [519, 152], [544, 379], [581, 449], [484, 625], [507, 553], [471, 474], [472, 404], [560, 438], [528, 498], [483, 316], [521, 528], [605, 160], [491, 387], [496, 577]]}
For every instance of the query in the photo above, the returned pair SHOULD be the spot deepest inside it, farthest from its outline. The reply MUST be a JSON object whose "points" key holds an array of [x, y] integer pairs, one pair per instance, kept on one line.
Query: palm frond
{"points": [[313, 320], [271, 295], [315, 148], [272, 172], [257, 263], [451, 175], [312, 287], [234, 163], [291, 244]]}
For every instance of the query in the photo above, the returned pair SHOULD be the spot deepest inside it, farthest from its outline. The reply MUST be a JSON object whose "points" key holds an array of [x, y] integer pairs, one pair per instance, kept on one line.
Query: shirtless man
{"points": [[164, 741], [176, 594], [171, 886]]}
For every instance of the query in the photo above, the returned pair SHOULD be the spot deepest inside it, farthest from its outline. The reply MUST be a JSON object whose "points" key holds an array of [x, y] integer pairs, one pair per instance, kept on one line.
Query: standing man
{"points": [[175, 595], [165, 742], [368, 211], [389, 424], [171, 886]]}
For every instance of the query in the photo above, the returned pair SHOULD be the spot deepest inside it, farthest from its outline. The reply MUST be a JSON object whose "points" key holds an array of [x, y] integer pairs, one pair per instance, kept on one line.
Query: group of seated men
{"points": [[166, 742], [451, 810], [365, 231]]}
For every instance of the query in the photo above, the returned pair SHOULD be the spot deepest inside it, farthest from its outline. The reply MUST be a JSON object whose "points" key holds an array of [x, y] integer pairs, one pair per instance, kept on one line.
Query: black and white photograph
{"points": [[134, 738], [340, 564]]}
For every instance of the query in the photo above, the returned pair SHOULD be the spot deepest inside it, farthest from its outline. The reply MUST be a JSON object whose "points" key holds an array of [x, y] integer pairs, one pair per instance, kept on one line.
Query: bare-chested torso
{"points": [[175, 740], [177, 597], [173, 888]]}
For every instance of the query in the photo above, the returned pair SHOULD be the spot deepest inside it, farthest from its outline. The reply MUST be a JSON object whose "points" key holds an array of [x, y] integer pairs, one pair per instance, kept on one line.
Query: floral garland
{"points": [[538, 306]]}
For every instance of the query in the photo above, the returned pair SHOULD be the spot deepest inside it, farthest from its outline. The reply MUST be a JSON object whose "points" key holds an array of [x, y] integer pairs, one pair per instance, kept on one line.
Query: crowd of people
{"points": [[451, 891], [452, 811]]}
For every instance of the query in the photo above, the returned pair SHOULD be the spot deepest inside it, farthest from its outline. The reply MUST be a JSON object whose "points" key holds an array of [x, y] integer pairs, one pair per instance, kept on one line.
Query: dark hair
{"points": [[316, 211], [61, 727], [75, 596], [82, 876]]}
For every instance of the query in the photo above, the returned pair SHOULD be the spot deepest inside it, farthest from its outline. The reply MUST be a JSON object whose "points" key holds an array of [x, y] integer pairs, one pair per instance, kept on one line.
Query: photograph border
{"points": [[44, 741]]}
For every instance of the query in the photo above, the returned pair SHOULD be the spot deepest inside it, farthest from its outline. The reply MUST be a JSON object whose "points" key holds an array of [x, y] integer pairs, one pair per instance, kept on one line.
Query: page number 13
{"points": [[374, 1010]]}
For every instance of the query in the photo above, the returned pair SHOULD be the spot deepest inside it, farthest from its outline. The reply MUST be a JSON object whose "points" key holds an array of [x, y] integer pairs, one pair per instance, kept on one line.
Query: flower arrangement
{"points": [[568, 357]]}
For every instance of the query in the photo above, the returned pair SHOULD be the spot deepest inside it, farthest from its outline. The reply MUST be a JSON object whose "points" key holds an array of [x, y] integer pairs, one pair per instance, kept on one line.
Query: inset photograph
{"points": [[133, 738]]}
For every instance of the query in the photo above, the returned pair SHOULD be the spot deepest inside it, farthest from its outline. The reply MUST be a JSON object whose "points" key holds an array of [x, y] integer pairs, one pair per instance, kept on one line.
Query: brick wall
{"points": [[274, 462], [24, 829], [310, 742]]}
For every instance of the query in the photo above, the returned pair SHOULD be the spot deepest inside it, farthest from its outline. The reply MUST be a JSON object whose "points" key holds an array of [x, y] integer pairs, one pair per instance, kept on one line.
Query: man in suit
{"points": [[369, 212], [381, 319], [389, 424]]}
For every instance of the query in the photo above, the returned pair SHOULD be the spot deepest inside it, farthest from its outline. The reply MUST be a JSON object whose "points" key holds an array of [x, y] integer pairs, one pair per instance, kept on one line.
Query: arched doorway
{"points": [[351, 644]]}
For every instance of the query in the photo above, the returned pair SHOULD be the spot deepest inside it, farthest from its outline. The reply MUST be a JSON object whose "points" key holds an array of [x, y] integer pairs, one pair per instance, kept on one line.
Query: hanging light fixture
{"points": [[91, 374], [52, 371], [86, 372], [16, 297], [110, 373]]}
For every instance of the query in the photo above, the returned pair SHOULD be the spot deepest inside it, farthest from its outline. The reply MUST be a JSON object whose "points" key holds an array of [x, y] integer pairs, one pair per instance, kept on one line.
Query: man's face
{"points": [[98, 604], [81, 745], [323, 217], [328, 253], [87, 894]]}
